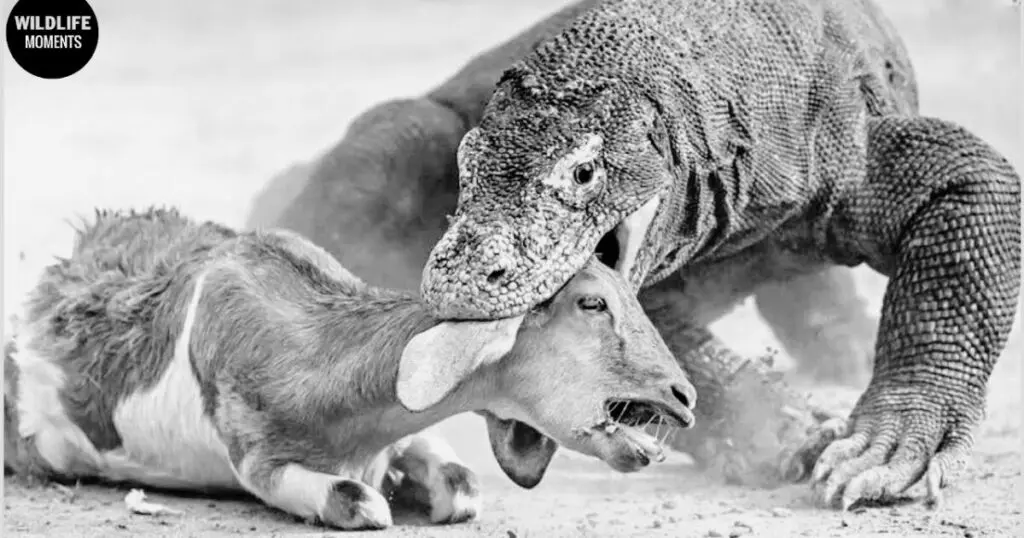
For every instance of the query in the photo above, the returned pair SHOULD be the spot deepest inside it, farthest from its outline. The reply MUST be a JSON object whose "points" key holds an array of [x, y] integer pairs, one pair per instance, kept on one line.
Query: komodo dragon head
{"points": [[560, 168]]}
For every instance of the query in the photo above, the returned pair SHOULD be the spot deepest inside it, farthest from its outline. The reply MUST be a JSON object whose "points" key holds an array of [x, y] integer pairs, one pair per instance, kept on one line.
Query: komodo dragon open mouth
{"points": [[620, 248]]}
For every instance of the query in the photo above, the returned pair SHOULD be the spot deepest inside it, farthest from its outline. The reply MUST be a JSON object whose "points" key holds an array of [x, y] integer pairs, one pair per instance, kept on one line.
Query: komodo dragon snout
{"points": [[525, 224]]}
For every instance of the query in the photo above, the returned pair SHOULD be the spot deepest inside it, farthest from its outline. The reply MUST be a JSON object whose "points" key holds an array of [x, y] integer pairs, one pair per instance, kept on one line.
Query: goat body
{"points": [[187, 356]]}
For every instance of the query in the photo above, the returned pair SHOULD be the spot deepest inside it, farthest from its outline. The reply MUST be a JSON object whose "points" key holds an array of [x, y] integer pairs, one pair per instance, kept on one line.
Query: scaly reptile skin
{"points": [[759, 130]]}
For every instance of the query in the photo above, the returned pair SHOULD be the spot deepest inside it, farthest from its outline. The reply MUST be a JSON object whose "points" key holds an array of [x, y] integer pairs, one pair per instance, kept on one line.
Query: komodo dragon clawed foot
{"points": [[880, 456]]}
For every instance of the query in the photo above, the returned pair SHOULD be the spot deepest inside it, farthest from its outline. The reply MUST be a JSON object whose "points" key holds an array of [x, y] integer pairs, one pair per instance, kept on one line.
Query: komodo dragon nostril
{"points": [[499, 270], [495, 276], [496, 253]]}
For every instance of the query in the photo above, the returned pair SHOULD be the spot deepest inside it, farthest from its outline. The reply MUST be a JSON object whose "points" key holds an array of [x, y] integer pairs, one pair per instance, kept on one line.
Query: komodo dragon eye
{"points": [[592, 303], [584, 173]]}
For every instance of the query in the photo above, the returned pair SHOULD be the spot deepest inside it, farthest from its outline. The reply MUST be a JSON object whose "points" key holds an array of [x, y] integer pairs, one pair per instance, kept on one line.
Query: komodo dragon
{"points": [[379, 198], [686, 140]]}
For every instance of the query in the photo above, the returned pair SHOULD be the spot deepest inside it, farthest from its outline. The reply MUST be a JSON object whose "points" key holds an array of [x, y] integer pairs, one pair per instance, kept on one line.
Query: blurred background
{"points": [[197, 104]]}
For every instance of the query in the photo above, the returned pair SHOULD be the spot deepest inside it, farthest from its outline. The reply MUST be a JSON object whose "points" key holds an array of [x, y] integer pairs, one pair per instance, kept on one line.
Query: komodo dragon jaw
{"points": [[516, 277], [525, 225], [487, 270]]}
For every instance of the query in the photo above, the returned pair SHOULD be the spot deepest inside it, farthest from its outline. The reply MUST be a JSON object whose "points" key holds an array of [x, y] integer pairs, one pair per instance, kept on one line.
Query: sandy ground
{"points": [[197, 104]]}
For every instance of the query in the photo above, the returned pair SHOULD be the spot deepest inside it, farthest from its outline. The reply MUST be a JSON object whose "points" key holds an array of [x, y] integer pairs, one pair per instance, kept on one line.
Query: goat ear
{"points": [[438, 359]]}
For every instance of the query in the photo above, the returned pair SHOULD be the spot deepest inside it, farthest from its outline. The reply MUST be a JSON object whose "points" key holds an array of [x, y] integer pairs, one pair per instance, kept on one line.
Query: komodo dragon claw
{"points": [[879, 456]]}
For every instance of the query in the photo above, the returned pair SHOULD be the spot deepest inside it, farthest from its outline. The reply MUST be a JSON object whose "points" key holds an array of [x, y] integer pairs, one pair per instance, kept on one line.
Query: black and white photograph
{"points": [[512, 269]]}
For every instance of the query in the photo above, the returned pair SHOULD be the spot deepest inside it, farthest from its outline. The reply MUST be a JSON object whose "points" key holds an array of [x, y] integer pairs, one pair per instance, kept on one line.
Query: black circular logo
{"points": [[52, 38]]}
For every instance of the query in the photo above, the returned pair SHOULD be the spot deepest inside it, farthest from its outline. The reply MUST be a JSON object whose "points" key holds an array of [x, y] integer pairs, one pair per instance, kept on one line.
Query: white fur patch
{"points": [[166, 438], [462, 507], [433, 452], [305, 493], [297, 490], [61, 443]]}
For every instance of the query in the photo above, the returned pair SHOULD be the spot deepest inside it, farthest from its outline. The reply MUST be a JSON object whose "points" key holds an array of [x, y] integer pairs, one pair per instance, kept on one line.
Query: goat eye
{"points": [[584, 173], [594, 304]]}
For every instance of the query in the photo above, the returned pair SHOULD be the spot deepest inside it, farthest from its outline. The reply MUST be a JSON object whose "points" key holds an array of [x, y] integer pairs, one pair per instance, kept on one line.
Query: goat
{"points": [[188, 356]]}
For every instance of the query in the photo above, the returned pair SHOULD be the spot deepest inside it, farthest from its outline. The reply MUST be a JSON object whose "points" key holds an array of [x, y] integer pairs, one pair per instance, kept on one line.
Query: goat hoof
{"points": [[455, 497], [352, 505]]}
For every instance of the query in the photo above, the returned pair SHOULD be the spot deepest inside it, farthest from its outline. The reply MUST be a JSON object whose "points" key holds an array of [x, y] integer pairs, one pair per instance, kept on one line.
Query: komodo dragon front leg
{"points": [[939, 213]]}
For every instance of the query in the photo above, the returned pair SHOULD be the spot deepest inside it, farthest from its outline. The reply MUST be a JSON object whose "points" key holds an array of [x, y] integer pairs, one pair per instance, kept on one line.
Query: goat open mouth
{"points": [[620, 248], [633, 418]]}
